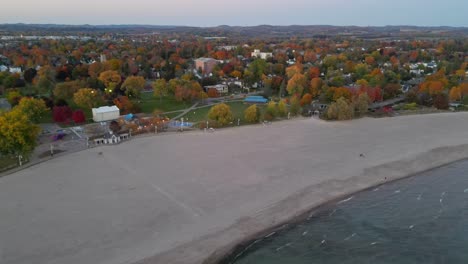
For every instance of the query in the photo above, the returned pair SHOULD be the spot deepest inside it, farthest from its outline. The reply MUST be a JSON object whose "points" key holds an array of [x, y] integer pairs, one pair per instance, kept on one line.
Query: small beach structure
{"points": [[255, 99], [105, 113]]}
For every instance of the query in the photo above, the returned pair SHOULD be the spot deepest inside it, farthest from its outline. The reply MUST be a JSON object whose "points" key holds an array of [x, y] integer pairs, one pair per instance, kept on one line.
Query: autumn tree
{"points": [[315, 87], [296, 84], [125, 105], [441, 101], [252, 114], [455, 94], [160, 88], [294, 69], [342, 92], [18, 135], [221, 113], [34, 109], [306, 99], [133, 86], [110, 79], [62, 114], [78, 116], [87, 98]]}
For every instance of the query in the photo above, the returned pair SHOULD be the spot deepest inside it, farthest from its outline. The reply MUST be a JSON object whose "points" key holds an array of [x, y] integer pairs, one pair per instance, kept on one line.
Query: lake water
{"points": [[422, 219]]}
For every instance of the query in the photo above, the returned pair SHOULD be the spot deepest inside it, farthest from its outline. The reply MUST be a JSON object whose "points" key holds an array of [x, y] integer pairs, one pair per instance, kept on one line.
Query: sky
{"points": [[238, 12]]}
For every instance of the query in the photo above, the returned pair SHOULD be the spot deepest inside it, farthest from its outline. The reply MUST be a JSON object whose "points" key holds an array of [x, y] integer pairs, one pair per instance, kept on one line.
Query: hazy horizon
{"points": [[207, 13]]}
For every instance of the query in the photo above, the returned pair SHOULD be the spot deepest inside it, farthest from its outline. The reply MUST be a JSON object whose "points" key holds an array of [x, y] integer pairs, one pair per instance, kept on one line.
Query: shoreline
{"points": [[238, 250], [424, 162]]}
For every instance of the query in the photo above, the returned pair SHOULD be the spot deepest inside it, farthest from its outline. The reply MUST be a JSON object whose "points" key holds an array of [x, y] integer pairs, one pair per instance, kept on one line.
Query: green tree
{"points": [[257, 69], [18, 135], [362, 105], [33, 108], [46, 78], [87, 98], [133, 86], [251, 114], [345, 109], [221, 113], [66, 90], [160, 88], [295, 106]]}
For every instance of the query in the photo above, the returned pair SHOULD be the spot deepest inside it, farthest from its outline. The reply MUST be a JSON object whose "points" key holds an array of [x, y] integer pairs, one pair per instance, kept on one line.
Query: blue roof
{"points": [[255, 99]]}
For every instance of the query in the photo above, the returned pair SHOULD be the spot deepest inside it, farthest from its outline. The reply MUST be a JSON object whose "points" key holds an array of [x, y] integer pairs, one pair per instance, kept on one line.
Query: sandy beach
{"points": [[189, 198]]}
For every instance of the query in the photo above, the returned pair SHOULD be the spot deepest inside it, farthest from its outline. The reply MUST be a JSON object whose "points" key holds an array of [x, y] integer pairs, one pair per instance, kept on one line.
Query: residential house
{"points": [[220, 88], [205, 65], [262, 55]]}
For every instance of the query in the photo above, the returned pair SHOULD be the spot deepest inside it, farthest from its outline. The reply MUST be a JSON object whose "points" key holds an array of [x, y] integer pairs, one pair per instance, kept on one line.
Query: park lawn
{"points": [[201, 114], [148, 103], [7, 161]]}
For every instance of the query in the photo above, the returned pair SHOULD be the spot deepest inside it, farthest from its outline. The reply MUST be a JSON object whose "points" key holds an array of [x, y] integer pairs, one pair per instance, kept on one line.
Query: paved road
{"points": [[150, 195]]}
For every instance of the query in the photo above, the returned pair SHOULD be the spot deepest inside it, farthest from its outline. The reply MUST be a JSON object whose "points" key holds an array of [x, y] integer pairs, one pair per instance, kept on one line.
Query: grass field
{"points": [[201, 114], [6, 162], [148, 103]]}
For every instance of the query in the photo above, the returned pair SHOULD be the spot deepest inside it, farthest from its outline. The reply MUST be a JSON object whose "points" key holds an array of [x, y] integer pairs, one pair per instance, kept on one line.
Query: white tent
{"points": [[106, 113]]}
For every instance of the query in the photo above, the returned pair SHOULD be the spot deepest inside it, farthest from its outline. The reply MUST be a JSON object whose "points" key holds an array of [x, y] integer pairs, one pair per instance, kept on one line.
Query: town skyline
{"points": [[208, 13]]}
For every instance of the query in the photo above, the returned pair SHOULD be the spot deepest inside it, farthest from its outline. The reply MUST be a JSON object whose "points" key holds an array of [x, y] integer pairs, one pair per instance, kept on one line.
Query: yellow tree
{"points": [[87, 98], [18, 135], [221, 113], [33, 108], [160, 88], [133, 86], [251, 114], [271, 111], [282, 108], [110, 79]]}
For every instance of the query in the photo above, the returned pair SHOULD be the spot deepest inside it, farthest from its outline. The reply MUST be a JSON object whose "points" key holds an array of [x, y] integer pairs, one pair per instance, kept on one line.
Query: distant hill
{"points": [[248, 31]]}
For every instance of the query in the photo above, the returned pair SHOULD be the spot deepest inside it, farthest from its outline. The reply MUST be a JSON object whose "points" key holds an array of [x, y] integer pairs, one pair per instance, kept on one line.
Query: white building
{"points": [[221, 88], [15, 70], [105, 113], [262, 55]]}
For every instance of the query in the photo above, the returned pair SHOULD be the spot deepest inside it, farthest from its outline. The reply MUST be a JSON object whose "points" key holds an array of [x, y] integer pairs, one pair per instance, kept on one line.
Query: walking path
{"points": [[180, 198]]}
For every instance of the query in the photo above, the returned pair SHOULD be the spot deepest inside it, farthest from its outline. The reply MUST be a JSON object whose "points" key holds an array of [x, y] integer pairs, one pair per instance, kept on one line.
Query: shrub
{"points": [[251, 114], [410, 106], [282, 109], [441, 101], [78, 116], [271, 111], [295, 106]]}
